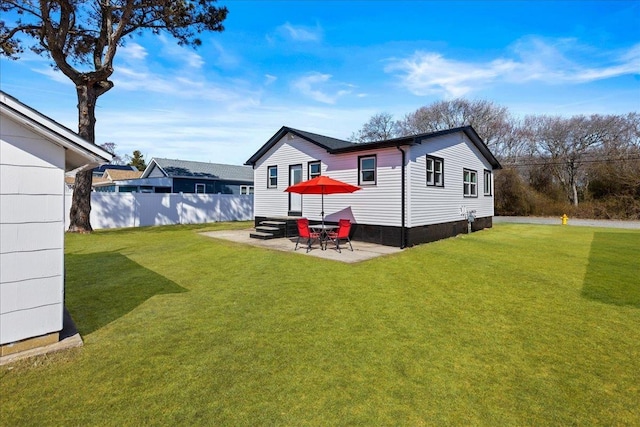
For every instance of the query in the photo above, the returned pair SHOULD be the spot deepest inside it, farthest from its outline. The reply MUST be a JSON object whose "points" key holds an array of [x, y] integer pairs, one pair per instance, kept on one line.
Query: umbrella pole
{"points": [[322, 212]]}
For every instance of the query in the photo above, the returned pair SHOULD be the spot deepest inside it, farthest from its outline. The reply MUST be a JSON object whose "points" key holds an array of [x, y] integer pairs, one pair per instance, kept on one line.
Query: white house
{"points": [[35, 152], [414, 189]]}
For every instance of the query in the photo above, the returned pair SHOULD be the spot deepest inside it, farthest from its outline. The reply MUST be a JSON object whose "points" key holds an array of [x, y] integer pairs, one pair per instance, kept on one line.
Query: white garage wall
{"points": [[31, 225]]}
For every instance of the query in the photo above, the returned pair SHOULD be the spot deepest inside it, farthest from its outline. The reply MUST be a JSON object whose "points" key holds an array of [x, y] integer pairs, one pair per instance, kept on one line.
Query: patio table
{"points": [[323, 229]]}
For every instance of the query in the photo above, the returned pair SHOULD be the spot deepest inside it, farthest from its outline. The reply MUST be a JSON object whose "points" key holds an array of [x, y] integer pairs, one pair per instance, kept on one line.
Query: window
{"points": [[367, 170], [200, 188], [272, 177], [246, 189], [435, 171], [487, 182], [314, 169], [470, 183]]}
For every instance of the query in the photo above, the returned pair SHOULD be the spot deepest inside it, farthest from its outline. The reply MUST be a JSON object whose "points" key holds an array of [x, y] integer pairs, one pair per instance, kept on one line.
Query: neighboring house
{"points": [[182, 176], [100, 170], [104, 175], [35, 152], [113, 180], [414, 190]]}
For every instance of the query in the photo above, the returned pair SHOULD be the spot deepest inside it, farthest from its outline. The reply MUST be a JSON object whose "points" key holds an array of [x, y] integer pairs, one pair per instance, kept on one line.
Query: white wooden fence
{"points": [[116, 210]]}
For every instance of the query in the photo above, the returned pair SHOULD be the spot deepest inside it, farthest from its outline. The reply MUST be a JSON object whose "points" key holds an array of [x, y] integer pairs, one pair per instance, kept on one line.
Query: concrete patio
{"points": [[362, 251]]}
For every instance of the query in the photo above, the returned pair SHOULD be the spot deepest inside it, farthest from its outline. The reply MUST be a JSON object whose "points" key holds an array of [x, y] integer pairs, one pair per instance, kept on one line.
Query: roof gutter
{"points": [[403, 199]]}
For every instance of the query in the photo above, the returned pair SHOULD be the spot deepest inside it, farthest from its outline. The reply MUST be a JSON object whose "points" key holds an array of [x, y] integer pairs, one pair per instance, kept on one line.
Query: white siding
{"points": [[433, 205], [379, 204], [32, 229], [33, 322]]}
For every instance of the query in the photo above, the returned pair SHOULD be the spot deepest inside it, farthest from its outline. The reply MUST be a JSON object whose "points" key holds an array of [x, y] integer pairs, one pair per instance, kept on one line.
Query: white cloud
{"points": [[300, 33], [174, 53], [318, 87], [535, 59], [209, 132], [223, 58], [132, 52], [53, 74], [269, 79]]}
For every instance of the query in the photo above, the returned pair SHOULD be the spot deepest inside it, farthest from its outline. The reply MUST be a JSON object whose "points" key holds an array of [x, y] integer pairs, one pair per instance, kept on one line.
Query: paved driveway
{"points": [[557, 221]]}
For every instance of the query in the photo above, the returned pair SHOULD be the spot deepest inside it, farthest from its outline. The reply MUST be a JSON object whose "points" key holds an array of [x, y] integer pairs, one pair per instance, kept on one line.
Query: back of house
{"points": [[413, 190]]}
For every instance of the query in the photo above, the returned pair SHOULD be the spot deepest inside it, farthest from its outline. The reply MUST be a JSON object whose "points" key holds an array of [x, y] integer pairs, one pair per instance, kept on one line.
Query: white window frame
{"points": [[272, 177], [203, 187], [488, 182], [361, 170], [246, 189], [469, 183], [435, 171]]}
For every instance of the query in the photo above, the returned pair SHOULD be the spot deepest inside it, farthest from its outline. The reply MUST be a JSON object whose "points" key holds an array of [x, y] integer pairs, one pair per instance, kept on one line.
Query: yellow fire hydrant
{"points": [[564, 219]]}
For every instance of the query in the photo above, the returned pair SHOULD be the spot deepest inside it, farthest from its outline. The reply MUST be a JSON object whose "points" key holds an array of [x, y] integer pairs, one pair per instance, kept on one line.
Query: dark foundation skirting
{"points": [[392, 236]]}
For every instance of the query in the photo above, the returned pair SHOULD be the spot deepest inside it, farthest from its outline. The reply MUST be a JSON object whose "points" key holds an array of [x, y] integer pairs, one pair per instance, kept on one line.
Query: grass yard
{"points": [[517, 325]]}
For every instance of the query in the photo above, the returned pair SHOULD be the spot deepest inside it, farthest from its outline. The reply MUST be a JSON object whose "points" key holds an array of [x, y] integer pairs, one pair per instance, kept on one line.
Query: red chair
{"points": [[305, 233], [344, 228]]}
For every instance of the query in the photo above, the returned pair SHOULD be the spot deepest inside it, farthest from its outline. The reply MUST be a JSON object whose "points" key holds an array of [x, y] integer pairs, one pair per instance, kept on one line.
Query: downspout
{"points": [[403, 200]]}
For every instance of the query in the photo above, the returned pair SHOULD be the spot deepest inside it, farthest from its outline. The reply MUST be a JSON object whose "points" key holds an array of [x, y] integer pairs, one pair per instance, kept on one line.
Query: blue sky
{"points": [[328, 66]]}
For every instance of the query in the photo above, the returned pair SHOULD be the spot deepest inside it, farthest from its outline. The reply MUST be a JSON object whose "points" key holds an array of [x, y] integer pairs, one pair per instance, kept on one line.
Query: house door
{"points": [[295, 200]]}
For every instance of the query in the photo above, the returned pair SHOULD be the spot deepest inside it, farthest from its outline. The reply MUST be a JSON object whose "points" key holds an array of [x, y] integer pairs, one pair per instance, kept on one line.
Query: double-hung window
{"points": [[470, 183], [314, 169], [435, 171], [488, 178], [367, 170], [272, 177], [200, 188]]}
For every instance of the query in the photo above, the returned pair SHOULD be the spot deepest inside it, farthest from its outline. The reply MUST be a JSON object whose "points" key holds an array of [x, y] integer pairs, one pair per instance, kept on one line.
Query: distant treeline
{"points": [[584, 166]]}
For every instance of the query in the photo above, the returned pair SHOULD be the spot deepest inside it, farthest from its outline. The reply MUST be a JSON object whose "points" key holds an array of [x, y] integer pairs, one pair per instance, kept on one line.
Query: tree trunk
{"points": [[81, 204], [79, 221]]}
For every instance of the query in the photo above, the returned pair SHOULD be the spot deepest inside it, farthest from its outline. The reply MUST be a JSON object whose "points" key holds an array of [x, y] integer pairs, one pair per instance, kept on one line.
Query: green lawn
{"points": [[517, 325]]}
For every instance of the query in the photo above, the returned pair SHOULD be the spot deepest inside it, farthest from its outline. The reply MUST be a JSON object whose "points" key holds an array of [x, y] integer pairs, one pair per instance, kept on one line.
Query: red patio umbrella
{"points": [[322, 185]]}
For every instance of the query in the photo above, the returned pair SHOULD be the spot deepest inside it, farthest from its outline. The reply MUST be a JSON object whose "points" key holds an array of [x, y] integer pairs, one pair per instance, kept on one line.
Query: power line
{"points": [[559, 163]]}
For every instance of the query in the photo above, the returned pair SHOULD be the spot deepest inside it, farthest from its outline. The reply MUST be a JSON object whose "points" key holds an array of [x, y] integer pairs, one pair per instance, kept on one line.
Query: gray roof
{"points": [[323, 141], [189, 169], [326, 142], [335, 146]]}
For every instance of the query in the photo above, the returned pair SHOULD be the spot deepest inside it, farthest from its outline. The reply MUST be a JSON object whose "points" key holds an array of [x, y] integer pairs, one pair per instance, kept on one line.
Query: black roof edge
{"points": [[395, 142], [417, 139], [477, 140], [307, 136], [374, 145], [265, 147]]}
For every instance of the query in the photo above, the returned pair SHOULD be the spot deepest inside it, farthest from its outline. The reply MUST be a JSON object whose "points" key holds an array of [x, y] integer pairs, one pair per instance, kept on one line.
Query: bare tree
{"points": [[615, 168], [493, 123], [569, 144], [111, 147], [380, 127], [81, 38]]}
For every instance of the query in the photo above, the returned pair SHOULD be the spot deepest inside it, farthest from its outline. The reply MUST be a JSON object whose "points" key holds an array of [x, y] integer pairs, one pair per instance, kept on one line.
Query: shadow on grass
{"points": [[102, 287], [613, 272]]}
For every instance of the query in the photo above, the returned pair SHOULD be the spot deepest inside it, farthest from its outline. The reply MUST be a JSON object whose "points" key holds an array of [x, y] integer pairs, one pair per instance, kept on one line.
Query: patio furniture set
{"points": [[324, 234]]}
